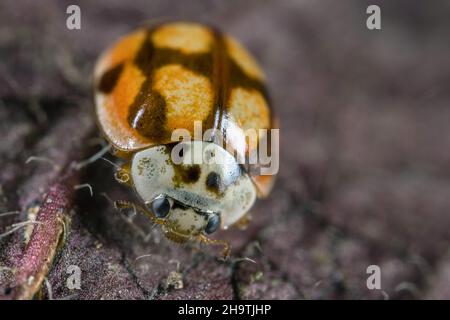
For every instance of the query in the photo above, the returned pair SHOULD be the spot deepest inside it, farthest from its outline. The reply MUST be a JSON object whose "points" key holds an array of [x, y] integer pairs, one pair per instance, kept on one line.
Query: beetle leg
{"points": [[123, 204], [226, 246]]}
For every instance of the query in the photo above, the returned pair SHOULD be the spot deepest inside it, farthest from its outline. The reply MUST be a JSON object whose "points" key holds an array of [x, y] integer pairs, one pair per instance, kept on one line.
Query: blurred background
{"points": [[365, 151]]}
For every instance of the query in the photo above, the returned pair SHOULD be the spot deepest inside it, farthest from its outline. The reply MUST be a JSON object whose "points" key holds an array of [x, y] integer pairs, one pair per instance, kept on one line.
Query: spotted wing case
{"points": [[155, 80]]}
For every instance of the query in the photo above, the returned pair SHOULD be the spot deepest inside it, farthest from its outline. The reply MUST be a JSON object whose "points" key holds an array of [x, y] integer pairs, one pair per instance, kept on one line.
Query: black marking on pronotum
{"points": [[214, 183], [109, 79], [186, 174]]}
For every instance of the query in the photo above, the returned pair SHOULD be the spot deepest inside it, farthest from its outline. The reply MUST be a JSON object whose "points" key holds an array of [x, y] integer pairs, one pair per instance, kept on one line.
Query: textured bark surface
{"points": [[365, 151]]}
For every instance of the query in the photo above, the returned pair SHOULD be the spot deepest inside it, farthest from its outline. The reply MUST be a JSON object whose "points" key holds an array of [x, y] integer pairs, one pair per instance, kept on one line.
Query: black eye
{"points": [[160, 207], [213, 224]]}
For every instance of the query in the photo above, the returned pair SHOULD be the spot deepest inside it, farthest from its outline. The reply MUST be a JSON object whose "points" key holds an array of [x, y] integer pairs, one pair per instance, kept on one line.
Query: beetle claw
{"points": [[226, 251]]}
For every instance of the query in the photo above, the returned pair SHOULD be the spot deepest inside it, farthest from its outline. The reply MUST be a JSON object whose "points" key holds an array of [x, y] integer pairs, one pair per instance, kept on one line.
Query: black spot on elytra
{"points": [[147, 114], [238, 78], [145, 55], [214, 182], [109, 79]]}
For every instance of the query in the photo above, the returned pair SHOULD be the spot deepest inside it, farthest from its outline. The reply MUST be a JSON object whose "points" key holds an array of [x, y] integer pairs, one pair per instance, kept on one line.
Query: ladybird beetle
{"points": [[159, 79]]}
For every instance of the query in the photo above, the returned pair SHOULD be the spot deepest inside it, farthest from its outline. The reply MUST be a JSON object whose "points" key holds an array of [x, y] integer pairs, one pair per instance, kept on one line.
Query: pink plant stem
{"points": [[46, 237]]}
